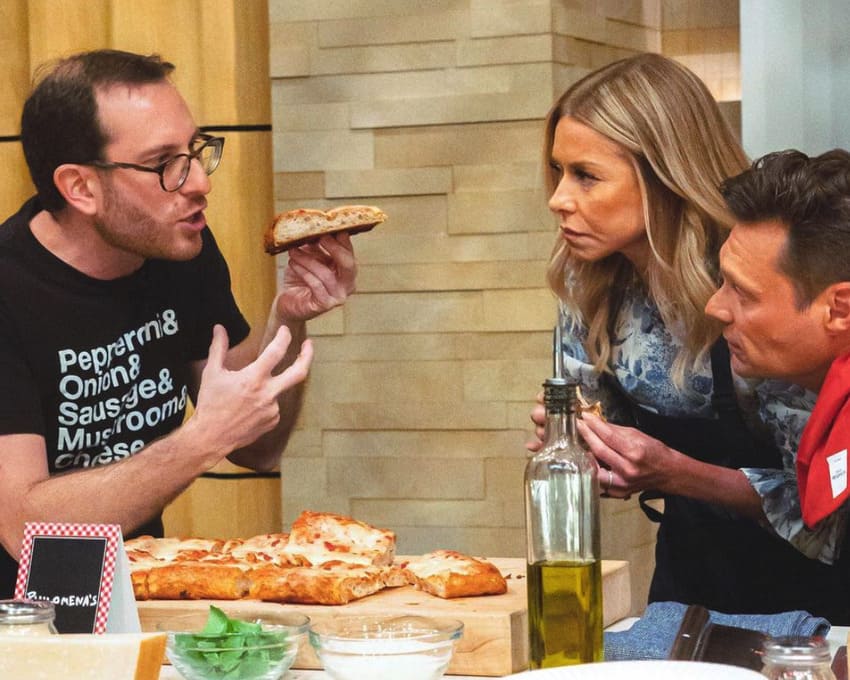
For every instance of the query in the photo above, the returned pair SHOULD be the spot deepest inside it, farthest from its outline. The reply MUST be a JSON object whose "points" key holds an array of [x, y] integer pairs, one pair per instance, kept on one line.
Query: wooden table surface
{"points": [[494, 641]]}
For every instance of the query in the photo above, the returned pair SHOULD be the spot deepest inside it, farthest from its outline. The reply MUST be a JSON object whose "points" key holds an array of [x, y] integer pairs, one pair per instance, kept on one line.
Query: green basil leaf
{"points": [[245, 627], [252, 667], [217, 622]]}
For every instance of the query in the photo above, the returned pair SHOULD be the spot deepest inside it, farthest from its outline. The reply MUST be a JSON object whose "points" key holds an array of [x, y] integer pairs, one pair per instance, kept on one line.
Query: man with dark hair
{"points": [[786, 273], [785, 306], [74, 134], [785, 303], [116, 310]]}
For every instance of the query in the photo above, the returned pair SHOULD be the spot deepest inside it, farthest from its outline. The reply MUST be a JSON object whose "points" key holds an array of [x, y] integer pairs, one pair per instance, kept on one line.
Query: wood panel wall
{"points": [[220, 48]]}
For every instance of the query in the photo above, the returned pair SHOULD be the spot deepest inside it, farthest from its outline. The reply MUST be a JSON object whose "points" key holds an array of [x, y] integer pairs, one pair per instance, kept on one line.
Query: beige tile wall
{"points": [[417, 408], [704, 35]]}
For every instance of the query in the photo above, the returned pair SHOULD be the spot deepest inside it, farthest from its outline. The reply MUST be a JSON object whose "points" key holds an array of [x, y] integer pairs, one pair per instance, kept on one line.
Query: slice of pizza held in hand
{"points": [[303, 225]]}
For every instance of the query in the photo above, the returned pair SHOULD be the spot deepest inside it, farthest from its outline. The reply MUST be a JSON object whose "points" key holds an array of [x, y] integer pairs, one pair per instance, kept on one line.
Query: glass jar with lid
{"points": [[797, 658], [27, 617]]}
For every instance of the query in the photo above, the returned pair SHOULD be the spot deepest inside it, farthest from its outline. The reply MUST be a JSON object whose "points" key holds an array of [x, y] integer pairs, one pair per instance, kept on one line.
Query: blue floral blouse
{"points": [[642, 357]]}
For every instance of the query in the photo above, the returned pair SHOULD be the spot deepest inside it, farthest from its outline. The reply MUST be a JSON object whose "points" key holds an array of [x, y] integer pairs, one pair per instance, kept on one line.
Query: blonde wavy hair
{"points": [[682, 149]]}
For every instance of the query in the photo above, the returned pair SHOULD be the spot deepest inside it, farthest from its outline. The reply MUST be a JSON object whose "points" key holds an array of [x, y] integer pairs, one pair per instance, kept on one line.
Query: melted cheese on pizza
{"points": [[317, 538]]}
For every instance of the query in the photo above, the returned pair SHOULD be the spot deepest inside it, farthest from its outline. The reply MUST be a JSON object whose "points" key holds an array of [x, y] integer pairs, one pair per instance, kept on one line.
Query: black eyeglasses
{"points": [[173, 172]]}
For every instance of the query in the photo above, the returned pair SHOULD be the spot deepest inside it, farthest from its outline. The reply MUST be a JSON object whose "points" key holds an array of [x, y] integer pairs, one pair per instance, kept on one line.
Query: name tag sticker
{"points": [[838, 472], [84, 571]]}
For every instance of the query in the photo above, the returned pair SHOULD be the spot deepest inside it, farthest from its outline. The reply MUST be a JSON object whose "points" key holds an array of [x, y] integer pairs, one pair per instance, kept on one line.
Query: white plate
{"points": [[642, 670]]}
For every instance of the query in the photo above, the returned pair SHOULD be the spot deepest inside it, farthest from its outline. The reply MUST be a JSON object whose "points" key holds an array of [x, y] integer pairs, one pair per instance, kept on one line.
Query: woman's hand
{"points": [[630, 461], [538, 417]]}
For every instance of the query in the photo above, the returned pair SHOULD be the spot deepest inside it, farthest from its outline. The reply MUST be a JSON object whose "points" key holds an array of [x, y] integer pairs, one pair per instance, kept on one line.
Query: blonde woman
{"points": [[636, 153]]}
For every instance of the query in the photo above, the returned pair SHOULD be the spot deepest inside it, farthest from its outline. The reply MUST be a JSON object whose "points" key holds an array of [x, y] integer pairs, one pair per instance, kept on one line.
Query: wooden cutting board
{"points": [[495, 636]]}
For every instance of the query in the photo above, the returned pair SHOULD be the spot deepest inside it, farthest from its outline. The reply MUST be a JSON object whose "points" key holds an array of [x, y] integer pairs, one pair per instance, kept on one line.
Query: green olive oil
{"points": [[564, 618]]}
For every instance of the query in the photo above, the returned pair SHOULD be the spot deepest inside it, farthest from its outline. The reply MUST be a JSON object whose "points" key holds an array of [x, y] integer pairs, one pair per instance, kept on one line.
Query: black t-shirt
{"points": [[101, 368]]}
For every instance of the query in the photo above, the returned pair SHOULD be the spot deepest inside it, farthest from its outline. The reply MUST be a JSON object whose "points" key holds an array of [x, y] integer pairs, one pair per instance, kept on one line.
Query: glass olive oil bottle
{"points": [[562, 528]]}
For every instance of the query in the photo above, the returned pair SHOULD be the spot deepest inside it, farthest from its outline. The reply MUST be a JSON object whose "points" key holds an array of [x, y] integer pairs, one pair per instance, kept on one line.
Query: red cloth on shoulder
{"points": [[822, 456]]}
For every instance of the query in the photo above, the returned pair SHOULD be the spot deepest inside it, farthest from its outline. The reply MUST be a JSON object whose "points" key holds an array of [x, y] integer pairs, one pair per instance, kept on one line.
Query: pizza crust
{"points": [[332, 583], [585, 406], [303, 225], [197, 581]]}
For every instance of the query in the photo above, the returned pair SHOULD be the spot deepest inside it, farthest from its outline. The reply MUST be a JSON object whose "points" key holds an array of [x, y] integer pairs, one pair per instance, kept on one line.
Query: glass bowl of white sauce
{"points": [[385, 648]]}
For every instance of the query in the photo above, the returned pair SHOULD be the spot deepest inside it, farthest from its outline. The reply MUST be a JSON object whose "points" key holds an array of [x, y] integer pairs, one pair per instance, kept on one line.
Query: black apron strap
{"points": [[739, 446], [652, 513], [723, 398], [679, 433]]}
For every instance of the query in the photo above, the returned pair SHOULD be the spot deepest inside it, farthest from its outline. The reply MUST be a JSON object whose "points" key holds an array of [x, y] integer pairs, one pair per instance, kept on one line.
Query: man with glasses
{"points": [[116, 310], [174, 171]]}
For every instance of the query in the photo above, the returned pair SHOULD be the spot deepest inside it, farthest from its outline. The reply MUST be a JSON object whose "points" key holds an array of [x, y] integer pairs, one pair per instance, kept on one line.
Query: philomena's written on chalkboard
{"points": [[68, 572], [74, 566]]}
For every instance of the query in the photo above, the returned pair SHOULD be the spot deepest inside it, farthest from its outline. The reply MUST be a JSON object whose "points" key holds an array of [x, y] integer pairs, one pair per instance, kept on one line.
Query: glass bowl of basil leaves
{"points": [[224, 648]]}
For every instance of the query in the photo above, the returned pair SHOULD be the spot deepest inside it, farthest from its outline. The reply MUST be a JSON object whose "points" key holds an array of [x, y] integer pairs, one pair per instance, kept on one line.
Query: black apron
{"points": [[9, 567], [708, 555]]}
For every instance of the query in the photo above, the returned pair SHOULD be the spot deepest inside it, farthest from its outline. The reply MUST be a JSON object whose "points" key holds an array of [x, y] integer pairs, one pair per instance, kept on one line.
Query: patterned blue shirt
{"points": [[642, 355]]}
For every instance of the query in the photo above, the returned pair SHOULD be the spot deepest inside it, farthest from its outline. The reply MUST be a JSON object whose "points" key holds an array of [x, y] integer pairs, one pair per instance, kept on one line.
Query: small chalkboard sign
{"points": [[75, 566]]}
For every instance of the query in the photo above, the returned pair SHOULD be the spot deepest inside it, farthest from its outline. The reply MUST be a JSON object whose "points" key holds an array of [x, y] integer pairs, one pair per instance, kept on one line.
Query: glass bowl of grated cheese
{"points": [[385, 648]]}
